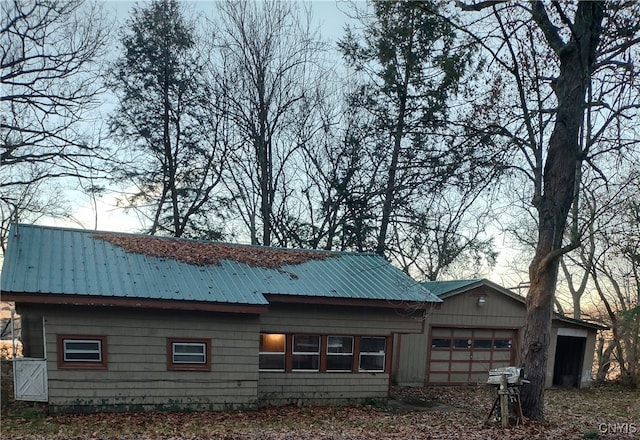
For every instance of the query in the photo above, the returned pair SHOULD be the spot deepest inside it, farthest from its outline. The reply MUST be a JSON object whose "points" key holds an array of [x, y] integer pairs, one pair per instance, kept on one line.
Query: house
{"points": [[115, 321], [480, 326]]}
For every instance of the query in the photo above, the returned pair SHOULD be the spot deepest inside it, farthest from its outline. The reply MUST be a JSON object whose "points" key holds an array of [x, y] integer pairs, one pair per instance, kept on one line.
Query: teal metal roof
{"points": [[62, 261]]}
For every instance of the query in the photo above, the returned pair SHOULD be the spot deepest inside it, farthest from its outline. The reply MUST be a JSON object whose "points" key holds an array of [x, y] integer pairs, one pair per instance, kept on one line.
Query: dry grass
{"points": [[419, 413]]}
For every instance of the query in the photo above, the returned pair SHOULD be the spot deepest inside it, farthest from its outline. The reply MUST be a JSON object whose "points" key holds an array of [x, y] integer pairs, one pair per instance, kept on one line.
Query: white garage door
{"points": [[465, 355]]}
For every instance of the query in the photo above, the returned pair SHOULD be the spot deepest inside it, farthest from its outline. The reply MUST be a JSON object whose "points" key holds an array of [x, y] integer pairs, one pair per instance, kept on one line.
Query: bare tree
{"points": [[49, 70], [551, 56], [335, 207], [608, 257], [29, 203], [267, 53], [445, 231], [50, 83], [410, 64], [615, 271]]}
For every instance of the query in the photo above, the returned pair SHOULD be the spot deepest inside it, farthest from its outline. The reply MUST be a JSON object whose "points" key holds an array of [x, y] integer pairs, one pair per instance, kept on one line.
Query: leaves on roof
{"points": [[207, 253]]}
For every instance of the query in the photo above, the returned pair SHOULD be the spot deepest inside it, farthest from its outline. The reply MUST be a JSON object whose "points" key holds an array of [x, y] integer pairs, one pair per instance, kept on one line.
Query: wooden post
{"points": [[504, 401]]}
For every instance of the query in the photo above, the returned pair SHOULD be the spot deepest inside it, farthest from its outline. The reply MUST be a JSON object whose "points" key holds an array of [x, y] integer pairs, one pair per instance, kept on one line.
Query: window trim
{"points": [[188, 366], [102, 364]]}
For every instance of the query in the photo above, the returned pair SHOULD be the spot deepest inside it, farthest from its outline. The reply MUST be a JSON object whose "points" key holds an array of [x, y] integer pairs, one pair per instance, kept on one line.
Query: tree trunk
{"points": [[265, 165], [577, 59], [537, 336], [391, 184], [390, 191], [265, 191]]}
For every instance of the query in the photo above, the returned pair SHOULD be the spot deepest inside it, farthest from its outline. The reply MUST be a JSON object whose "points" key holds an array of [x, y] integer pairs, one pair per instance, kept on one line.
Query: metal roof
{"points": [[63, 261]]}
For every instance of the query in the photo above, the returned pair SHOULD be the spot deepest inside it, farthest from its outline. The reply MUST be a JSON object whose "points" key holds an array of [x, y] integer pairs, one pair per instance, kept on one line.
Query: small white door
{"points": [[30, 379]]}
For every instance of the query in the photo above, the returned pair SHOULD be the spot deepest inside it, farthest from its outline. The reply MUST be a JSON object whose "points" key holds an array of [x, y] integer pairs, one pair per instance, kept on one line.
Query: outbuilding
{"points": [[480, 326], [114, 321]]}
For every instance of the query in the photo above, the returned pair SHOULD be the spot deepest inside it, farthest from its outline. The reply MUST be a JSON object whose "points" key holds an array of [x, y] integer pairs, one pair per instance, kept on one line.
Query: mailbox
{"points": [[515, 376]]}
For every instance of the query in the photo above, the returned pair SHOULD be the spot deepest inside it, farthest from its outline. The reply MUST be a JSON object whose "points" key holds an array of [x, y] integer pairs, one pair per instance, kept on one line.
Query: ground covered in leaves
{"points": [[417, 413]]}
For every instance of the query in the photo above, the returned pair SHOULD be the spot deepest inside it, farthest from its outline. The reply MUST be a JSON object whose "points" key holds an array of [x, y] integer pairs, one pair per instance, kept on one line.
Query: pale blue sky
{"points": [[330, 15]]}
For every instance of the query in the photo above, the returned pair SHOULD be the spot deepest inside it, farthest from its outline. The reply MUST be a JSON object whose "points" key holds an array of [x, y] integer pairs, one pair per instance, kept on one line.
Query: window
{"points": [[339, 353], [441, 343], [372, 353], [188, 354], [272, 352], [82, 352], [306, 352], [322, 353], [502, 344], [461, 343], [482, 343]]}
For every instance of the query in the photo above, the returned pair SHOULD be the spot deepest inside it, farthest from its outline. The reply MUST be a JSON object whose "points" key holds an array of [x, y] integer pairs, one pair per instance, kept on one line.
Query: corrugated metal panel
{"points": [[73, 262]]}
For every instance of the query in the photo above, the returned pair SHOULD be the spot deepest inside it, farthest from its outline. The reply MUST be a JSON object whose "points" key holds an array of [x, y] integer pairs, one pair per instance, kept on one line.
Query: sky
{"points": [[331, 17]]}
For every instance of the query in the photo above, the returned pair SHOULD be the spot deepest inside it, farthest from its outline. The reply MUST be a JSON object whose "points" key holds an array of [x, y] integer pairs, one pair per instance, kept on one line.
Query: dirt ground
{"points": [[610, 412]]}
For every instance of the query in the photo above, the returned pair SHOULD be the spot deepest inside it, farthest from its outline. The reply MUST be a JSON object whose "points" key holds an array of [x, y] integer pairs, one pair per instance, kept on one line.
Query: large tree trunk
{"points": [[554, 201], [538, 329]]}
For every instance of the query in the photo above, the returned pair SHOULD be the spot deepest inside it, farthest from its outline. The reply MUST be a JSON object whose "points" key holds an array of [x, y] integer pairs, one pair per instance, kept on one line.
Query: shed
{"points": [[480, 326], [129, 322]]}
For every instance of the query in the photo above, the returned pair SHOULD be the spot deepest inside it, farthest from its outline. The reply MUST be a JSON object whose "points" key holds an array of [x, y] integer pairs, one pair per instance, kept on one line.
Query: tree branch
{"points": [[539, 15], [478, 6], [555, 254]]}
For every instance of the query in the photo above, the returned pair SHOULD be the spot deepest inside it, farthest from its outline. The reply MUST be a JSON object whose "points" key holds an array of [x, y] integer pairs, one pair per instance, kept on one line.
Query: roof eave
{"points": [[137, 303], [579, 322]]}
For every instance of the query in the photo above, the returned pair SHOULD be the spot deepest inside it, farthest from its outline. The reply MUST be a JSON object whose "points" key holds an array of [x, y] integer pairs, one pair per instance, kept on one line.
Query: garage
{"points": [[465, 355], [480, 326]]}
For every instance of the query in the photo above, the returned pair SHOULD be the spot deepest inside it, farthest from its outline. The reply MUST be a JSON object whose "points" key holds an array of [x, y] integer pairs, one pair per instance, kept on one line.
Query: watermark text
{"points": [[619, 428]]}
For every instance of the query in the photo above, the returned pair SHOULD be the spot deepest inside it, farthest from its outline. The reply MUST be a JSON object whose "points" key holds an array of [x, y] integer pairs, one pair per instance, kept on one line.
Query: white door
{"points": [[30, 379]]}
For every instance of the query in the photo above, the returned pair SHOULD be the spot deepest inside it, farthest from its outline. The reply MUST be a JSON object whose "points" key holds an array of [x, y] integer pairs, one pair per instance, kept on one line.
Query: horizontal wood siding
{"points": [[339, 320], [137, 376], [462, 310], [321, 388]]}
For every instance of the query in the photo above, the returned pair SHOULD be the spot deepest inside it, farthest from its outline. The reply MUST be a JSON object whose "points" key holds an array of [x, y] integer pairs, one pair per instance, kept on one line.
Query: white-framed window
{"points": [[339, 353], [188, 354], [372, 353], [82, 352], [272, 352], [305, 352]]}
